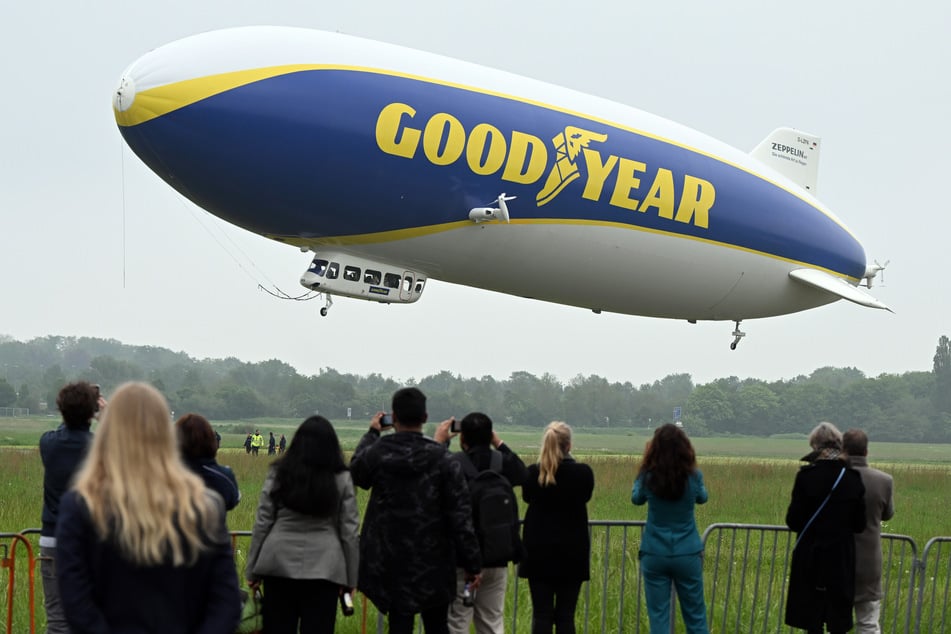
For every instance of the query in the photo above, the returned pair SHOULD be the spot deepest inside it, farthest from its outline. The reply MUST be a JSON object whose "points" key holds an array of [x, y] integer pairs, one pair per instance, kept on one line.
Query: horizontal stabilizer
{"points": [[792, 153], [837, 286]]}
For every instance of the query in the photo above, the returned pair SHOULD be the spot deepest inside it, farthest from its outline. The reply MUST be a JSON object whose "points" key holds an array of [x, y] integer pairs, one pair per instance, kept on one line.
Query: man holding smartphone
{"points": [[418, 521], [483, 450]]}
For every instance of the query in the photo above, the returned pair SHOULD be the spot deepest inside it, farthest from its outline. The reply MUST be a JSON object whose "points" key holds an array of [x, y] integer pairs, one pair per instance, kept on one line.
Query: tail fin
{"points": [[792, 153]]}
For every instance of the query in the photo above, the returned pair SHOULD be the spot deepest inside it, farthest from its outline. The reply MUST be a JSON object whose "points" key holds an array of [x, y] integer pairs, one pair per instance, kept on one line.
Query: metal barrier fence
{"points": [[931, 605], [9, 563], [746, 569], [746, 573]]}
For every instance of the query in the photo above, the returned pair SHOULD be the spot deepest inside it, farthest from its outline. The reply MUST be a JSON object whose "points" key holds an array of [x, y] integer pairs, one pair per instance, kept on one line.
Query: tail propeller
{"points": [[872, 270]]}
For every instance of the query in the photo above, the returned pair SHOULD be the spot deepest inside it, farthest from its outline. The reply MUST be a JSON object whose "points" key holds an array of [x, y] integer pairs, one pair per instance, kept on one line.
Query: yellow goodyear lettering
{"points": [[444, 139], [598, 172], [391, 137], [695, 202], [485, 141], [627, 181], [661, 194], [525, 146], [523, 159]]}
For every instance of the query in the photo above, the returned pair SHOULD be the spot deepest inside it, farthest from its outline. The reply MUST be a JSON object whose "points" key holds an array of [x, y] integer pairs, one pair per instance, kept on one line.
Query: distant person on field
{"points": [[282, 445], [483, 450], [555, 532], [671, 552], [62, 450], [257, 441], [247, 443], [199, 447], [879, 506], [418, 522], [304, 546], [826, 510], [271, 445], [142, 542]]}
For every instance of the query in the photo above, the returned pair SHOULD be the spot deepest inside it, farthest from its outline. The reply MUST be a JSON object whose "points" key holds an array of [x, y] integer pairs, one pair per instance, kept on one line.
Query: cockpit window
{"points": [[319, 267], [333, 271], [351, 273], [371, 277], [391, 280]]}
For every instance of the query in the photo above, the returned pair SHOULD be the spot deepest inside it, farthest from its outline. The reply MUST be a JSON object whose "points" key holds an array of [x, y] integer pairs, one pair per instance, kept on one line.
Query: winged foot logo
{"points": [[523, 158]]}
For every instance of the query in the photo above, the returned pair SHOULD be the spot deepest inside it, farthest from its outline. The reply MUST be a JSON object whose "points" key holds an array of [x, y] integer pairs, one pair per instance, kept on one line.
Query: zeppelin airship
{"points": [[391, 166]]}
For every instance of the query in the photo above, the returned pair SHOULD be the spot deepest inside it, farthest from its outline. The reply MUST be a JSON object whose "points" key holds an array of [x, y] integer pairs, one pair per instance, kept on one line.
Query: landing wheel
{"points": [[737, 335], [323, 311]]}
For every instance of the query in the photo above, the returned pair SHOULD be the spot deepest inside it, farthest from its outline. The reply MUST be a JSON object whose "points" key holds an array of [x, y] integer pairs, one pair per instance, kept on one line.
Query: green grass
{"points": [[749, 480]]}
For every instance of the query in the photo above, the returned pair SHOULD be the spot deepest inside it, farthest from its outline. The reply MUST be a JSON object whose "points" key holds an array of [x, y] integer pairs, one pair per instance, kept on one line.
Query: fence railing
{"points": [[746, 573]]}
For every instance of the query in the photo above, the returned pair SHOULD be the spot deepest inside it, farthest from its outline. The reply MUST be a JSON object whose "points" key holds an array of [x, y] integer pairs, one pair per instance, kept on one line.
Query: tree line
{"points": [[912, 407]]}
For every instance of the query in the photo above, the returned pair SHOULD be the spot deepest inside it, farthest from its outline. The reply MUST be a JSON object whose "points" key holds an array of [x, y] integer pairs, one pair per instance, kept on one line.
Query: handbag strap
{"points": [[818, 510]]}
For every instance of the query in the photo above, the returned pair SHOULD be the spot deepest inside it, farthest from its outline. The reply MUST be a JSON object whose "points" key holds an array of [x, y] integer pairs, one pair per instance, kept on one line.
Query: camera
{"points": [[468, 595], [386, 420], [455, 426]]}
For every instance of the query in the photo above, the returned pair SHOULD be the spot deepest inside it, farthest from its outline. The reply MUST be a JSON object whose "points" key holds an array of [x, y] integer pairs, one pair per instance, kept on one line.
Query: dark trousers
{"points": [[553, 606], [435, 621], [310, 604]]}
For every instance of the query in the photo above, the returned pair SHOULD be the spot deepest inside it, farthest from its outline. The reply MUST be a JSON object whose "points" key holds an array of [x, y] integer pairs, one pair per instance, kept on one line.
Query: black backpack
{"points": [[494, 511]]}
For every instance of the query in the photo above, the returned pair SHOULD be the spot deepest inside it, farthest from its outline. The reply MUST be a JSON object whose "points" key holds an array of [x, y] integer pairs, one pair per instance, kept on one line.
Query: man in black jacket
{"points": [[487, 606], [418, 520], [62, 450]]}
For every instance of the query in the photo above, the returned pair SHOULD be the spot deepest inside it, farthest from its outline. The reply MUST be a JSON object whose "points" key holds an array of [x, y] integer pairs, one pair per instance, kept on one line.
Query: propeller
{"points": [[872, 270]]}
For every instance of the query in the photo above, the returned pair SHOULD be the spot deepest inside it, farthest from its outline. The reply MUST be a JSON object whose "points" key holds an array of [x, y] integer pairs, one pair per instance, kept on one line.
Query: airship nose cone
{"points": [[124, 96]]}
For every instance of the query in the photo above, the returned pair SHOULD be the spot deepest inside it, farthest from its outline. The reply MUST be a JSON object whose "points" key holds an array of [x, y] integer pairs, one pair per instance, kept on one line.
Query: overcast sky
{"points": [[94, 244]]}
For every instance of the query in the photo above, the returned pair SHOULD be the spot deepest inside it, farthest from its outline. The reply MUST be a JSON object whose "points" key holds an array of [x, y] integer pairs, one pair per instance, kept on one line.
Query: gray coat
{"points": [[879, 506], [285, 543]]}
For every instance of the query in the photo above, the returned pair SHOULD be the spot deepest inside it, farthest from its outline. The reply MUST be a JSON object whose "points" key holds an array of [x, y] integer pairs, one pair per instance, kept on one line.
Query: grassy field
{"points": [[25, 432], [749, 480]]}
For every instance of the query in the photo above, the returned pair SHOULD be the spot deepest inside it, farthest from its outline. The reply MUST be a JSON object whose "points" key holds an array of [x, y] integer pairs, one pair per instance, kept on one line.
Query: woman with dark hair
{"points": [[304, 544], [555, 534], [671, 552], [199, 446]]}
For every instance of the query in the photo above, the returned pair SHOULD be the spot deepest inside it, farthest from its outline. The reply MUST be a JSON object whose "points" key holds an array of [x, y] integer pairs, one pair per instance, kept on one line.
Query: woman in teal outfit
{"points": [[671, 552]]}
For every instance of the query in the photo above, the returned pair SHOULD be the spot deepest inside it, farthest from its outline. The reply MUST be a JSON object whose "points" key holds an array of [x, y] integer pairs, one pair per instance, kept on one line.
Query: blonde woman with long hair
{"points": [[141, 543], [555, 534]]}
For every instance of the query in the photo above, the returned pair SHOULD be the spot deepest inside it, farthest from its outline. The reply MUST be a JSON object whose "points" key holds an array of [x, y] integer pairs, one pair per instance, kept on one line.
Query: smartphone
{"points": [[346, 604], [455, 426], [386, 420]]}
